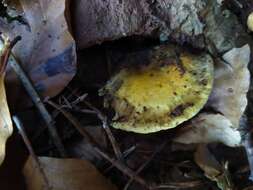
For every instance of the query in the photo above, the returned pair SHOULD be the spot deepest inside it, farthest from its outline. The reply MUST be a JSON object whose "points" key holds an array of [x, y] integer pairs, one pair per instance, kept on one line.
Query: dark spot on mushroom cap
{"points": [[122, 119], [204, 82], [231, 90], [180, 109]]}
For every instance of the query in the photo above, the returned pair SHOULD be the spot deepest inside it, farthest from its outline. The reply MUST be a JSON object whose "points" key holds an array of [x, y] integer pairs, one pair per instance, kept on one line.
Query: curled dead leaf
{"points": [[5, 120], [65, 174], [228, 98], [231, 84], [206, 128], [213, 169], [47, 50]]}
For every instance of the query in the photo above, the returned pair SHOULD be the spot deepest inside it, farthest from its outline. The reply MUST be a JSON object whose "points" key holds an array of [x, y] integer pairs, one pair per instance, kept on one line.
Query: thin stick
{"points": [[145, 164], [39, 104], [248, 147], [179, 185], [116, 163], [108, 131], [22, 132], [6, 51], [125, 155], [42, 129]]}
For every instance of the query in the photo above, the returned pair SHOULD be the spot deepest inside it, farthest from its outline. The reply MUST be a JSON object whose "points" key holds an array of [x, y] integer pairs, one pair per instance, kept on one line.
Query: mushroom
{"points": [[250, 21], [160, 93]]}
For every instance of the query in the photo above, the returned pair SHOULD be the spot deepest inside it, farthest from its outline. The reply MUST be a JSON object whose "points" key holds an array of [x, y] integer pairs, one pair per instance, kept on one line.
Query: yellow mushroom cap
{"points": [[163, 94], [250, 22]]}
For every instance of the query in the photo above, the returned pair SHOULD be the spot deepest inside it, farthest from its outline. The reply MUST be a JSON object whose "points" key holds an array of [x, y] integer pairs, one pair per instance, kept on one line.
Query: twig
{"points": [[54, 115], [22, 132], [74, 122], [79, 99], [86, 111], [71, 106], [106, 127], [117, 163], [14, 41], [145, 164], [40, 106], [7, 47], [179, 185], [248, 147], [125, 155]]}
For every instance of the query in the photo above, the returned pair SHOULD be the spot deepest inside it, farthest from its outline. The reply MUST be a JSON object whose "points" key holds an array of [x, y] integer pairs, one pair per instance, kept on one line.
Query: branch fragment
{"points": [[27, 142]]}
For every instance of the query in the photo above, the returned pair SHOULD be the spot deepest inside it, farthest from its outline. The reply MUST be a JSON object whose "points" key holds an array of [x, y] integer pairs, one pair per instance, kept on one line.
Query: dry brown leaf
{"points": [[228, 97], [65, 174], [5, 120], [231, 84], [207, 162], [206, 128], [213, 169], [47, 49]]}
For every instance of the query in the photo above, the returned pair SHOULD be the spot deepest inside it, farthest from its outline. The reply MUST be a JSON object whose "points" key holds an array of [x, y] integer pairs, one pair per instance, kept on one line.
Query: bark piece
{"points": [[97, 21], [202, 23]]}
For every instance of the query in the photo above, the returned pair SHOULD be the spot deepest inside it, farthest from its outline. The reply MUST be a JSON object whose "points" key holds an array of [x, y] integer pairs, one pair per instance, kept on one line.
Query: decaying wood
{"points": [[98, 21], [200, 23]]}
